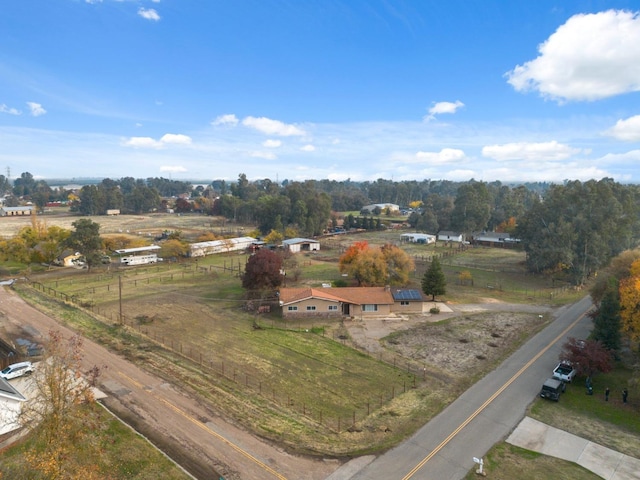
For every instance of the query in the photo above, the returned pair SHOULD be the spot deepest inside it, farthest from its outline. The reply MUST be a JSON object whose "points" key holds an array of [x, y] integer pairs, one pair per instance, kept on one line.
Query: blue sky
{"points": [[510, 90]]}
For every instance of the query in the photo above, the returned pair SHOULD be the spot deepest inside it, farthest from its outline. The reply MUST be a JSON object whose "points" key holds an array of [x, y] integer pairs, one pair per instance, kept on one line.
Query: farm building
{"points": [[448, 236], [202, 249], [382, 206], [296, 245], [495, 239], [349, 301], [10, 406], [15, 211], [418, 238]]}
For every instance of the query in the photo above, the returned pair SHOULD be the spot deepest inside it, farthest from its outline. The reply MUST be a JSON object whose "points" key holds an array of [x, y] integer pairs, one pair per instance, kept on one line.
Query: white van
{"points": [[16, 370]]}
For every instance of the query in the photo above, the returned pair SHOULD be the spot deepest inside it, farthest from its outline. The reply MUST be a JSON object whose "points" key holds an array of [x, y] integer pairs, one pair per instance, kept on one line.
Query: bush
{"points": [[434, 310]]}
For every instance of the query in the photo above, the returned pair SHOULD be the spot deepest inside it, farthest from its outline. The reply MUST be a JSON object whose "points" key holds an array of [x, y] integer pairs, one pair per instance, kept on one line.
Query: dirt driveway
{"points": [[191, 434]]}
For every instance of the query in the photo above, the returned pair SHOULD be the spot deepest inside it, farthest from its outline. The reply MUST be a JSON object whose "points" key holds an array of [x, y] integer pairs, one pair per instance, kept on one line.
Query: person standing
{"points": [[606, 394], [625, 393]]}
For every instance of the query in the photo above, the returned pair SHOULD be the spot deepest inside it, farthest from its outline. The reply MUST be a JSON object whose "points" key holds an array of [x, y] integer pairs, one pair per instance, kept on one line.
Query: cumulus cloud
{"points": [[175, 139], [149, 14], [265, 155], [308, 148], [272, 127], [10, 111], [443, 157], [229, 119], [166, 139], [271, 143], [36, 109], [530, 151], [627, 130], [590, 57], [173, 169], [443, 107]]}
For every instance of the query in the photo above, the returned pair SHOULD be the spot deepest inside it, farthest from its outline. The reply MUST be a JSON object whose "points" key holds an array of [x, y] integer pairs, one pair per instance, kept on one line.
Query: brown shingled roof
{"points": [[353, 295]]}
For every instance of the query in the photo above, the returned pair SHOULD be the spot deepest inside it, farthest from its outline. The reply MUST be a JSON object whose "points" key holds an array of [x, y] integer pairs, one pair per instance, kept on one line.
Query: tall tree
{"points": [[606, 319], [263, 271], [434, 282], [630, 302], [399, 264], [58, 417], [86, 239], [472, 208]]}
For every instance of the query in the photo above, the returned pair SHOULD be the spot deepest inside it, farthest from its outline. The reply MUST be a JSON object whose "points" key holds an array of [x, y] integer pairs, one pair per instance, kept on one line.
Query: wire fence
{"points": [[244, 377]]}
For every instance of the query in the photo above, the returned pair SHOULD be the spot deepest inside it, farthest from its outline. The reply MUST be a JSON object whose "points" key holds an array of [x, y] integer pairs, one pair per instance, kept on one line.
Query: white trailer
{"points": [[139, 259]]}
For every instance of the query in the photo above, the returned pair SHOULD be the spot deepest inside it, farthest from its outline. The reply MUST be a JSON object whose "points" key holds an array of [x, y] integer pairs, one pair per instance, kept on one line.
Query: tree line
{"points": [[570, 229]]}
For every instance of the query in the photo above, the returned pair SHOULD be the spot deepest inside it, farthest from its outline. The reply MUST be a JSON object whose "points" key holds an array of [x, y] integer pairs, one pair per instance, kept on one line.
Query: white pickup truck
{"points": [[564, 371]]}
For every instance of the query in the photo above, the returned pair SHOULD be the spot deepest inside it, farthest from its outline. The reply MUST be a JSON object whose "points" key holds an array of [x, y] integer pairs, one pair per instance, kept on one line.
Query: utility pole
{"points": [[120, 298]]}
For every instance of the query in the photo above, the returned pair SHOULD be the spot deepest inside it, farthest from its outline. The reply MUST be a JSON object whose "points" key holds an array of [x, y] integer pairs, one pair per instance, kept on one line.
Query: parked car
{"points": [[564, 371], [16, 370], [552, 388]]}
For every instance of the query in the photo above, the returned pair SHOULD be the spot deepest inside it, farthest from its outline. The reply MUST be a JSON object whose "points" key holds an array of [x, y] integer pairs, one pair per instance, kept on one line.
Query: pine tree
{"points": [[433, 281], [606, 320]]}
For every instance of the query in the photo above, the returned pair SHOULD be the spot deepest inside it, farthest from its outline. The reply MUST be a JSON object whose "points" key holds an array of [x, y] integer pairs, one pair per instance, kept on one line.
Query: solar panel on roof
{"points": [[408, 294]]}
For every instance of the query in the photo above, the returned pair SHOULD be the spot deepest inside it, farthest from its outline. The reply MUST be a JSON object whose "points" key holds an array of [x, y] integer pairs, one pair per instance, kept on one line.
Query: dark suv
{"points": [[552, 388]]}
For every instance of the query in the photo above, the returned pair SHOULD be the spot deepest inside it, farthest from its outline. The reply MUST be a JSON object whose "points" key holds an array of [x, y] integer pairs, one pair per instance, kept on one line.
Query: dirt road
{"points": [[197, 438]]}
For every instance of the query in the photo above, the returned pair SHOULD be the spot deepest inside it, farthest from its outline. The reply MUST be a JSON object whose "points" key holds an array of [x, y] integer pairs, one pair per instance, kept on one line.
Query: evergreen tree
{"points": [[433, 281], [606, 320]]}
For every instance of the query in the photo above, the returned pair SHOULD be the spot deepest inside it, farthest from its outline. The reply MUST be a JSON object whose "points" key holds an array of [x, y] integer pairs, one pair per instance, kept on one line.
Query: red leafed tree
{"points": [[262, 271], [587, 356]]}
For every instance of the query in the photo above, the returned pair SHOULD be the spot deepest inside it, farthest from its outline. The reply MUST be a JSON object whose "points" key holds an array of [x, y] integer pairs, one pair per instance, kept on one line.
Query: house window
{"points": [[370, 308], [404, 303], [333, 307], [311, 308], [292, 308]]}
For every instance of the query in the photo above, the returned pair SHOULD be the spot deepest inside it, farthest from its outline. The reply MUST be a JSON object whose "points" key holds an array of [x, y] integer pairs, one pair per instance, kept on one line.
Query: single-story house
{"points": [[16, 211], [68, 258], [495, 239], [201, 249], [295, 245], [10, 406], [449, 236], [348, 301], [382, 206], [418, 238]]}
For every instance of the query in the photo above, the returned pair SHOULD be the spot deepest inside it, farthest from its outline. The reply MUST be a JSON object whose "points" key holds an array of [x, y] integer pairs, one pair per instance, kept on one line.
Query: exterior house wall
{"points": [[449, 237], [321, 309], [407, 306]]}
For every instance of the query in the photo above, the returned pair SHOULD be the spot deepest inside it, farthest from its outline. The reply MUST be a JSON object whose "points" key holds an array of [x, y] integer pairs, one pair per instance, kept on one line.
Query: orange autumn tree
{"points": [[376, 266], [630, 302]]}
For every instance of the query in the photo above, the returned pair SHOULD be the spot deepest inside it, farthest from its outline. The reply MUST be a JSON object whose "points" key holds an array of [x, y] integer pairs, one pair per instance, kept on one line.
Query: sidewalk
{"points": [[609, 464]]}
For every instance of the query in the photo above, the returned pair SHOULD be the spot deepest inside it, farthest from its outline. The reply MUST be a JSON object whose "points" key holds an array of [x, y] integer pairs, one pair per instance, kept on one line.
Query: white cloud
{"points": [[166, 139], [149, 14], [175, 139], [443, 157], [443, 107], [10, 111], [530, 151], [590, 57], [272, 127], [271, 143], [627, 130], [173, 169], [142, 142], [93, 1], [36, 109], [308, 148], [265, 155], [229, 119]]}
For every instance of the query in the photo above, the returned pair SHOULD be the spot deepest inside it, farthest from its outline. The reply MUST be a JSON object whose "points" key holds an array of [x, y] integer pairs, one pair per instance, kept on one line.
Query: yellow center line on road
{"points": [[489, 400], [207, 429]]}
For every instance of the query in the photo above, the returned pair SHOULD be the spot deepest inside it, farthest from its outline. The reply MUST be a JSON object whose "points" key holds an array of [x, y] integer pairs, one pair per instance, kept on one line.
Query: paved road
{"points": [[485, 414]]}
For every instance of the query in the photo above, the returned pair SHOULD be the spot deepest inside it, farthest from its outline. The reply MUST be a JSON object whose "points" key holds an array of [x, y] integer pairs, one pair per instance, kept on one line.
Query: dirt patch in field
{"points": [[449, 341]]}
